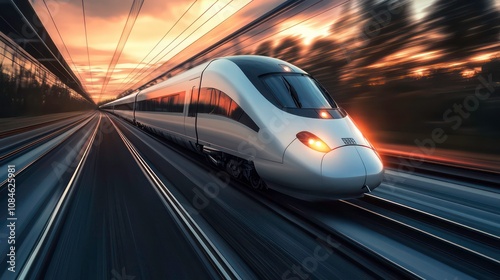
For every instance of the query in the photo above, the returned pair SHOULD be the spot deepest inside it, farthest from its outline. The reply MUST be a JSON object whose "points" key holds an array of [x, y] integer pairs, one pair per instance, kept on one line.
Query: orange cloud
{"points": [[159, 34]]}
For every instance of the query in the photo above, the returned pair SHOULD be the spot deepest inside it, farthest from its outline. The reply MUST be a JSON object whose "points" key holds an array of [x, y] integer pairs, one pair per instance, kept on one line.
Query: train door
{"points": [[190, 116]]}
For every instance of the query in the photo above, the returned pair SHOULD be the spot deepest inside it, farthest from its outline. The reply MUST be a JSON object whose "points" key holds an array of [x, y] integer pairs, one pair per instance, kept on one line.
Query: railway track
{"points": [[39, 261], [26, 155], [474, 175], [488, 240], [478, 261], [38, 139], [33, 267], [446, 243], [185, 221], [30, 127], [327, 240], [375, 264], [379, 265], [468, 250]]}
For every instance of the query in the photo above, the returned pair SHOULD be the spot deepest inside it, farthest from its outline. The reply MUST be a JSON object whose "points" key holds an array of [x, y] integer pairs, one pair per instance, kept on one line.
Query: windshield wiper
{"points": [[292, 93]]}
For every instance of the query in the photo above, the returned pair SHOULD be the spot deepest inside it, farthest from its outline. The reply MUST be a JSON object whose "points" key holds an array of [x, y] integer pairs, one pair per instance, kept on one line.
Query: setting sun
{"points": [[308, 32]]}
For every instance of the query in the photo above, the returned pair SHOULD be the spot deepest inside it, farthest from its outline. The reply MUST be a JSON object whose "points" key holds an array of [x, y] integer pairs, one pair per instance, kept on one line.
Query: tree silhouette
{"points": [[289, 50], [325, 62], [466, 25], [22, 94], [347, 18], [387, 29], [265, 49], [492, 68]]}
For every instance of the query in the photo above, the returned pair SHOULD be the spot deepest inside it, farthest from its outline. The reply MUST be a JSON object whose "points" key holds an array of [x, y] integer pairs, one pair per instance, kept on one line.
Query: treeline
{"points": [[23, 94], [370, 33], [371, 65]]}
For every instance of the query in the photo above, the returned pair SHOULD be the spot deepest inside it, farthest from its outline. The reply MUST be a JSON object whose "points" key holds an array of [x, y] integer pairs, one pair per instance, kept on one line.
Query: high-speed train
{"points": [[262, 119]]}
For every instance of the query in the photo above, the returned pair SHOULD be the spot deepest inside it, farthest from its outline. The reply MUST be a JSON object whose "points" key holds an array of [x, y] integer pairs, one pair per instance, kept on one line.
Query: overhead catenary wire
{"points": [[158, 60], [143, 82], [129, 25], [165, 35], [87, 44], [140, 73], [287, 28], [224, 51], [66, 70], [64, 44]]}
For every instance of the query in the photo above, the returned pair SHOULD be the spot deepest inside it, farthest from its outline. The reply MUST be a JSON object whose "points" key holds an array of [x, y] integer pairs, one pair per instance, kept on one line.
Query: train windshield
{"points": [[298, 91]]}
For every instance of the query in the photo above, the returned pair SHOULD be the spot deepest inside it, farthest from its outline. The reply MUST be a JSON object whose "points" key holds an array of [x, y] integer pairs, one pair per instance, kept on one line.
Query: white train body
{"points": [[266, 112]]}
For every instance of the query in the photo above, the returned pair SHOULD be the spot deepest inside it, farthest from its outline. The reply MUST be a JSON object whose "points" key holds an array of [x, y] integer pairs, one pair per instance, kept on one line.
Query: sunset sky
{"points": [[168, 31], [160, 32]]}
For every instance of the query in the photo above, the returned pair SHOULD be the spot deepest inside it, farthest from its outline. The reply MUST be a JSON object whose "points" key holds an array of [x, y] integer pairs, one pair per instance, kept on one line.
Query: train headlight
{"points": [[324, 115], [313, 141]]}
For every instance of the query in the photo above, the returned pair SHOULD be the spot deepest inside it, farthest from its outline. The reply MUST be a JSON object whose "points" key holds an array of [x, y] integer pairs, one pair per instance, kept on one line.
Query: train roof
{"points": [[252, 66], [257, 65]]}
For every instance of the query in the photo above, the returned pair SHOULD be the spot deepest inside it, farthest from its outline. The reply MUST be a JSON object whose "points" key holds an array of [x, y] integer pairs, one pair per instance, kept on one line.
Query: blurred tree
{"points": [[6, 86], [466, 25], [347, 18], [289, 49], [439, 75], [492, 67], [265, 49], [22, 94], [325, 62], [387, 28]]}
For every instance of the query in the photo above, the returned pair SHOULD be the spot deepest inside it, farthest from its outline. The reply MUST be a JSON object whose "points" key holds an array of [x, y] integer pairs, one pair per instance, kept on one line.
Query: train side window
{"points": [[173, 103], [125, 106], [224, 105], [214, 101], [246, 120], [157, 104], [193, 102], [178, 103], [204, 100], [165, 103], [161, 107], [235, 111], [152, 104]]}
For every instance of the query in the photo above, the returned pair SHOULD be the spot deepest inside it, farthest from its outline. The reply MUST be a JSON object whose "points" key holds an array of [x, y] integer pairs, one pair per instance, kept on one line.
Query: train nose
{"points": [[350, 168]]}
